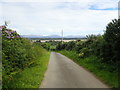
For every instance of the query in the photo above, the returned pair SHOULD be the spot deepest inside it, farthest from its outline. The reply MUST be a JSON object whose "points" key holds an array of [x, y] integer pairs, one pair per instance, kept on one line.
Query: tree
{"points": [[112, 38]]}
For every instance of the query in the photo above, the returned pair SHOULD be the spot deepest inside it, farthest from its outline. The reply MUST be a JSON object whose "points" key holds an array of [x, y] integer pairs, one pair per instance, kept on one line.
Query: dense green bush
{"points": [[45, 45], [112, 38], [59, 46], [49, 45], [78, 46], [84, 52], [66, 45], [17, 53]]}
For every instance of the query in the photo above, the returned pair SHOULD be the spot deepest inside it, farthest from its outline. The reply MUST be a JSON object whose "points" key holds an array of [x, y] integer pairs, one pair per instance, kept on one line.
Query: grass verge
{"points": [[92, 63], [32, 76]]}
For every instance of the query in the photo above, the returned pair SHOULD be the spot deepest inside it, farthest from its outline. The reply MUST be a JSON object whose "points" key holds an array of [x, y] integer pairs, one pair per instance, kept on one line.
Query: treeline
{"points": [[49, 45], [17, 54], [106, 46]]}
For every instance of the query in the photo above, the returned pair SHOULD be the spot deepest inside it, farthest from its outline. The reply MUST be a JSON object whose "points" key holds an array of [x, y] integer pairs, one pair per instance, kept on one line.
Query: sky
{"points": [[49, 17]]}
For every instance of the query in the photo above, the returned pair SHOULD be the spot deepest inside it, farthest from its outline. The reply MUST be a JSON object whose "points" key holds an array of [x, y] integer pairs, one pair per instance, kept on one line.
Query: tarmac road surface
{"points": [[64, 73]]}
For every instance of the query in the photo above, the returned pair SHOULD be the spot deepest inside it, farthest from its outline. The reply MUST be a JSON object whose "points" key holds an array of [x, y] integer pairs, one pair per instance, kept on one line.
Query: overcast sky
{"points": [[75, 17]]}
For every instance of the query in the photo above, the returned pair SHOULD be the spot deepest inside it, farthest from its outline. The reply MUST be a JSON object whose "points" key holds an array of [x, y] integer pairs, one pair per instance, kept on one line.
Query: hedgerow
{"points": [[105, 46], [17, 54]]}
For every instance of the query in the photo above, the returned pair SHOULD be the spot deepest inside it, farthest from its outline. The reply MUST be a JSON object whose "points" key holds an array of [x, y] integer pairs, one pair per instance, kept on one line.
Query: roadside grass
{"points": [[32, 76], [105, 72]]}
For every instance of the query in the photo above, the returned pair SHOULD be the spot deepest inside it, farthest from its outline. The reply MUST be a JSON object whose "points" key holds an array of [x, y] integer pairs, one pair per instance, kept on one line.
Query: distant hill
{"points": [[74, 36], [32, 36], [52, 36], [40, 36]]}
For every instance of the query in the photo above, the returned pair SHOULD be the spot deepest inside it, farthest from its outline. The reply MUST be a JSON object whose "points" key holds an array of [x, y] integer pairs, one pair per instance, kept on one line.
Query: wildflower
{"points": [[9, 32], [18, 36], [8, 37], [12, 37], [13, 31], [1, 27], [6, 31]]}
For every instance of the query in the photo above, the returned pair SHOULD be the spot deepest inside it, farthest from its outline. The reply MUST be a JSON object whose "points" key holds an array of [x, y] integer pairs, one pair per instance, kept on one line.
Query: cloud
{"points": [[45, 18]]}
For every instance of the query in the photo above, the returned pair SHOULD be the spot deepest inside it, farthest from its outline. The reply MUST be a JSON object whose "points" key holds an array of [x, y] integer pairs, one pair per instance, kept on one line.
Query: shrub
{"points": [[112, 38], [17, 53], [84, 52]]}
